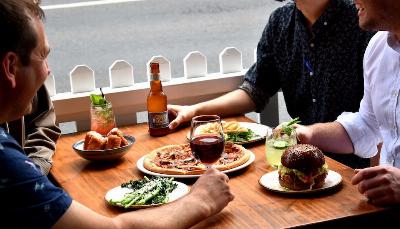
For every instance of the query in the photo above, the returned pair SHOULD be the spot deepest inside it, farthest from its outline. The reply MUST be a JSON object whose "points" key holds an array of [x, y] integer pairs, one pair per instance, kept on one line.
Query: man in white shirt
{"points": [[377, 119]]}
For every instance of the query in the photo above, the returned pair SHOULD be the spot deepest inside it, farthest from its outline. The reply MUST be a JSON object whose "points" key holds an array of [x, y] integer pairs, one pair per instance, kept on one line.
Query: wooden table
{"points": [[253, 206]]}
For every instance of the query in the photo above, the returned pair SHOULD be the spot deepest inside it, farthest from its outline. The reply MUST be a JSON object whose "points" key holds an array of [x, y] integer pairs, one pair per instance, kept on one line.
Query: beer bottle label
{"points": [[158, 120]]}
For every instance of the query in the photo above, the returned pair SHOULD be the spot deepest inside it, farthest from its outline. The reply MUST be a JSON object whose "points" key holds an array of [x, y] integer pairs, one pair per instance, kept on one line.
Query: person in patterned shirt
{"points": [[312, 50], [28, 199]]}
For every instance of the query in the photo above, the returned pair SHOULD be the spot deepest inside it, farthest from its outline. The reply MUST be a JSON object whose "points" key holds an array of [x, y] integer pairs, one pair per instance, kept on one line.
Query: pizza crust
{"points": [[243, 159]]}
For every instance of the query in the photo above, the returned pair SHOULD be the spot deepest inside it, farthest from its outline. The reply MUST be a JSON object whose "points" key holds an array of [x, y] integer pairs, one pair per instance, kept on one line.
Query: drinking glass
{"points": [[276, 144], [102, 118], [207, 138]]}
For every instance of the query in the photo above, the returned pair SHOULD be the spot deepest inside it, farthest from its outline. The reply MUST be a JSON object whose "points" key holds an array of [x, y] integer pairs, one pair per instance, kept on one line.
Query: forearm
{"points": [[235, 102], [179, 214], [183, 213], [330, 137]]}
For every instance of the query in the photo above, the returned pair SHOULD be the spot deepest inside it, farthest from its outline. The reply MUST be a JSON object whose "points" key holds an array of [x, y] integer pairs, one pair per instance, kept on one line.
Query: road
{"points": [[137, 30]]}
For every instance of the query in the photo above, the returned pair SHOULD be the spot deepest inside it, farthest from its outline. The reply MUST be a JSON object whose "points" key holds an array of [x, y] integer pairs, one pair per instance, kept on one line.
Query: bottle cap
{"points": [[154, 67]]}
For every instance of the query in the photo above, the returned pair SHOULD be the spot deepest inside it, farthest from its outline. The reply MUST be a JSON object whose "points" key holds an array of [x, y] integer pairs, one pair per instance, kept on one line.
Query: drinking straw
{"points": [[102, 94]]}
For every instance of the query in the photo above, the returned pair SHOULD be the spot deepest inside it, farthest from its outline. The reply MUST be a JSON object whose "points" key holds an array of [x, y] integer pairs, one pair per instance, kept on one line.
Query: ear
{"points": [[9, 68]]}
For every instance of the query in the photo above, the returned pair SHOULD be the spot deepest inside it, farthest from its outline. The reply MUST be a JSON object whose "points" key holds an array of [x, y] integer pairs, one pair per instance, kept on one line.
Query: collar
{"points": [[327, 18], [4, 126], [3, 133], [393, 42]]}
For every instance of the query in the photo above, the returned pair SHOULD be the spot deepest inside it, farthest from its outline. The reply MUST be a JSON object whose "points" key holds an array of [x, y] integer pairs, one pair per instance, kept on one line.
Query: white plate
{"points": [[140, 166], [261, 130], [118, 192], [271, 182]]}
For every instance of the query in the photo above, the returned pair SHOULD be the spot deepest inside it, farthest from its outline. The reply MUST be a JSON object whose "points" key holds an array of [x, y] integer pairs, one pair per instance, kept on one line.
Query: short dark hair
{"points": [[17, 33]]}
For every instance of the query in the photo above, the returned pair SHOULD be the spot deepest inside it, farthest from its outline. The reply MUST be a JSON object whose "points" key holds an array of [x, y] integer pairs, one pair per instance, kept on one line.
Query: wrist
{"points": [[310, 135], [196, 109], [199, 208]]}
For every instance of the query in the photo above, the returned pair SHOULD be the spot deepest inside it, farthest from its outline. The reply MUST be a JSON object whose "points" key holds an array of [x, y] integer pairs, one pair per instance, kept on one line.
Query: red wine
{"points": [[207, 148]]}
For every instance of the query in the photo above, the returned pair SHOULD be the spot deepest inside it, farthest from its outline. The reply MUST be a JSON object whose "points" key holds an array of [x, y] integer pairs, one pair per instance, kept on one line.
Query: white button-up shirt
{"points": [[379, 116]]}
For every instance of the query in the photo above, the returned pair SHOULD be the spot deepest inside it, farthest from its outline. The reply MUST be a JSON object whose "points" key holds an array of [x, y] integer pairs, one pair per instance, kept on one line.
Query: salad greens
{"points": [[241, 136], [146, 191]]}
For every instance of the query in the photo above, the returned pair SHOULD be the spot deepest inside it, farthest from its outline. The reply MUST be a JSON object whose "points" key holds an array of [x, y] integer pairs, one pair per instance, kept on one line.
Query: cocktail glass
{"points": [[276, 144], [102, 118]]}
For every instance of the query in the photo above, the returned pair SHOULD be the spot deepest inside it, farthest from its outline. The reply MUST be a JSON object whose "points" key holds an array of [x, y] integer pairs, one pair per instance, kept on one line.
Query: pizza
{"points": [[179, 159]]}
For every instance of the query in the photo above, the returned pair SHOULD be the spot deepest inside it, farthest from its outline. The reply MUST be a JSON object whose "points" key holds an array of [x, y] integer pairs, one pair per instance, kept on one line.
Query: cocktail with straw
{"points": [[102, 118]]}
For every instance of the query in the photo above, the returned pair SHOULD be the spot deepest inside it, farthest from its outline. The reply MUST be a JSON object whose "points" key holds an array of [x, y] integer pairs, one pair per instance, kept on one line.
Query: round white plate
{"points": [[261, 130], [271, 182], [119, 192], [140, 166]]}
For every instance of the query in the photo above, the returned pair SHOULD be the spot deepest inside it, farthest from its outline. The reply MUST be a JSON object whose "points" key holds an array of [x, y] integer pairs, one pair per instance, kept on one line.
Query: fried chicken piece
{"points": [[113, 141], [94, 141], [117, 132]]}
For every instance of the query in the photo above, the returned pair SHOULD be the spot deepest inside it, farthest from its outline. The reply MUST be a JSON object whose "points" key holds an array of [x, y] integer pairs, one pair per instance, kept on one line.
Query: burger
{"points": [[302, 167]]}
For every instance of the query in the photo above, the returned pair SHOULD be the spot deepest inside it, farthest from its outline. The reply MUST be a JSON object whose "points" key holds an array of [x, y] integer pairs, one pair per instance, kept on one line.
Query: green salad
{"points": [[241, 136]]}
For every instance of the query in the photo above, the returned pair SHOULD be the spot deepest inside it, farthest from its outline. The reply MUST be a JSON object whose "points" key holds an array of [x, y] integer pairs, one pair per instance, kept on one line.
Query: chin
{"points": [[28, 109], [368, 24]]}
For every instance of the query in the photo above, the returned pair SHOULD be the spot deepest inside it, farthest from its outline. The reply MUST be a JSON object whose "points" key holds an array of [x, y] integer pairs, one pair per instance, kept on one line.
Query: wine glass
{"points": [[207, 138]]}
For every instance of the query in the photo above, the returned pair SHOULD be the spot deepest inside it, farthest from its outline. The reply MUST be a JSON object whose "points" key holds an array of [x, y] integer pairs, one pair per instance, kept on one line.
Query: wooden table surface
{"points": [[253, 206]]}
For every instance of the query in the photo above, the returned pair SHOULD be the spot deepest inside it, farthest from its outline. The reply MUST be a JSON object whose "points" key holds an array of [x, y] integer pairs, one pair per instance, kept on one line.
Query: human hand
{"points": [[381, 185], [303, 133], [183, 114], [212, 190]]}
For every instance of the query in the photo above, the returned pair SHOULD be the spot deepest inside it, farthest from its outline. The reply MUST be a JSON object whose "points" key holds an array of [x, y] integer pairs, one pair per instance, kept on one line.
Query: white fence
{"points": [[129, 98]]}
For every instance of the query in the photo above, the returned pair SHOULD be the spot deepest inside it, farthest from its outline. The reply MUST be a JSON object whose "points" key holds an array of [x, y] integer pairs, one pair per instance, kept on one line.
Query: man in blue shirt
{"points": [[28, 199]]}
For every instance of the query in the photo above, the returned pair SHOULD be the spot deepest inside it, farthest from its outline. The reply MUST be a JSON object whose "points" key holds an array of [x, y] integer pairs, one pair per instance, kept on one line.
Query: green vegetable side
{"points": [[241, 137], [148, 191]]}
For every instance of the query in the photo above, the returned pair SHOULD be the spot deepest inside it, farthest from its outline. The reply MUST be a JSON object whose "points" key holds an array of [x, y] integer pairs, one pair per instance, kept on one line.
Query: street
{"points": [[97, 35]]}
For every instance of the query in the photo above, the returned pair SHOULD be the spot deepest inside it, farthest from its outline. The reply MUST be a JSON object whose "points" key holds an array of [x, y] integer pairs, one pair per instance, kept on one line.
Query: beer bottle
{"points": [[157, 104]]}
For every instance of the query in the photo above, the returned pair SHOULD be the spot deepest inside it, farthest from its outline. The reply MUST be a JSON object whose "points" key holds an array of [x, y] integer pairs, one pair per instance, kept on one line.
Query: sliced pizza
{"points": [[179, 159]]}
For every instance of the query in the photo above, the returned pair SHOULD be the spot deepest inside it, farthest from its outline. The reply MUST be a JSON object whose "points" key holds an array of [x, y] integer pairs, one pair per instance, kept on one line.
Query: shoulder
{"points": [[375, 47], [278, 24], [14, 162], [37, 200], [282, 14], [8, 144], [377, 41]]}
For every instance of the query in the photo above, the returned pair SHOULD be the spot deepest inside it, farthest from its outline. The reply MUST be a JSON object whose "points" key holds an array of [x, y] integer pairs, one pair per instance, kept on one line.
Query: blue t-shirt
{"points": [[27, 198]]}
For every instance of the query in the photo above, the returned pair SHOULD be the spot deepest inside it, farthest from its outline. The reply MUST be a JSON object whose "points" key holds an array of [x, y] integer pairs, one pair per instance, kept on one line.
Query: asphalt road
{"points": [[135, 31]]}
